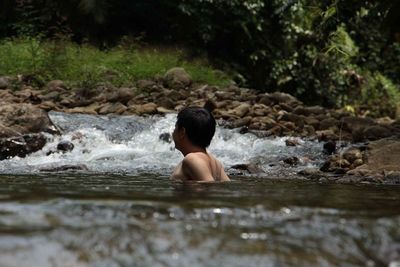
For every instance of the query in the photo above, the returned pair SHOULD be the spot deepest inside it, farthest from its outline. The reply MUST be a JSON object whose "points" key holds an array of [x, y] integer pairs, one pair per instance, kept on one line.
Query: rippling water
{"points": [[123, 210], [147, 220], [131, 145]]}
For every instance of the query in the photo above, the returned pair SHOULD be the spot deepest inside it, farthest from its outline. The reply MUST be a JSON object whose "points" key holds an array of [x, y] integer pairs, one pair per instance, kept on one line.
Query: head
{"points": [[197, 124]]}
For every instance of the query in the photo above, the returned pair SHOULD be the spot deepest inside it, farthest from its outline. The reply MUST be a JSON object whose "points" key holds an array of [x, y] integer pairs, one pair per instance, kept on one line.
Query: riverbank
{"points": [[372, 145]]}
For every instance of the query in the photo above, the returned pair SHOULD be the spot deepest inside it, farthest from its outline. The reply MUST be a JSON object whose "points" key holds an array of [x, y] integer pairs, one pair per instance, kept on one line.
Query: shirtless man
{"points": [[194, 129]]}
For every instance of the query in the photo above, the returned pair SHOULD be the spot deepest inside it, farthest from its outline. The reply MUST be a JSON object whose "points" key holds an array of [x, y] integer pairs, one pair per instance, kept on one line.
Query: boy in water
{"points": [[194, 129]]}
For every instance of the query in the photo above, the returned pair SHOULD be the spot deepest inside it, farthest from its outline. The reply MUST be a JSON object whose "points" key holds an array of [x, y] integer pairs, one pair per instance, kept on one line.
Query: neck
{"points": [[192, 149]]}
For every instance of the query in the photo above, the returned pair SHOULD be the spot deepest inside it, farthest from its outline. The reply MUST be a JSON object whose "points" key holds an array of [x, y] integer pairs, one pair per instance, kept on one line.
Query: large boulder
{"points": [[376, 132], [177, 78], [25, 118], [382, 156], [4, 82], [6, 132], [21, 146], [356, 126]]}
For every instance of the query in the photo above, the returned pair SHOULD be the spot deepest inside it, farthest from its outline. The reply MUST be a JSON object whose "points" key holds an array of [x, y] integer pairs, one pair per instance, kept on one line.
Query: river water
{"points": [[121, 209]]}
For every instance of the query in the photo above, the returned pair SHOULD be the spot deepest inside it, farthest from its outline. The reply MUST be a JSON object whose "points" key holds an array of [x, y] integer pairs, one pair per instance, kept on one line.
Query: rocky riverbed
{"points": [[372, 152]]}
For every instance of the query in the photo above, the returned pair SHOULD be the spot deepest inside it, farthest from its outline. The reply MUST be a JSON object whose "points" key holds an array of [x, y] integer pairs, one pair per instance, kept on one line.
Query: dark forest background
{"points": [[332, 53]]}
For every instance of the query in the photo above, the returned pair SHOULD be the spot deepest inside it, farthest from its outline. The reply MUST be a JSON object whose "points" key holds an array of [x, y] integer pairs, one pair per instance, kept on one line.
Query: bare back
{"points": [[198, 166]]}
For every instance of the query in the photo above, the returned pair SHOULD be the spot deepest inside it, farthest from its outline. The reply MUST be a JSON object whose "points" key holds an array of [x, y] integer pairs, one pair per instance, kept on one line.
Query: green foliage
{"points": [[304, 47], [85, 65], [341, 42], [379, 96]]}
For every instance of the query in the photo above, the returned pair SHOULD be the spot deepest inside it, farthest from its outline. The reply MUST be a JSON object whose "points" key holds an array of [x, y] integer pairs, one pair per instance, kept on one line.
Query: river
{"points": [[121, 209]]}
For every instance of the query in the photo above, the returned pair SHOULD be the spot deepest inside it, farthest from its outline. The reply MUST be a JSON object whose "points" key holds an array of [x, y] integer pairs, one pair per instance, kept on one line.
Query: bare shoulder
{"points": [[193, 159], [223, 177], [204, 167], [195, 166]]}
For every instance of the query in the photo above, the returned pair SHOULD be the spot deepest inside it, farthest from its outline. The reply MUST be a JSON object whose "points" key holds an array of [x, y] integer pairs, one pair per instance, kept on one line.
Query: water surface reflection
{"points": [[147, 220]]}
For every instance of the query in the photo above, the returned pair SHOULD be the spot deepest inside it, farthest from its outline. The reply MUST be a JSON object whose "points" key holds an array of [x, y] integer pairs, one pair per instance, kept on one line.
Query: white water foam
{"points": [[145, 151]]}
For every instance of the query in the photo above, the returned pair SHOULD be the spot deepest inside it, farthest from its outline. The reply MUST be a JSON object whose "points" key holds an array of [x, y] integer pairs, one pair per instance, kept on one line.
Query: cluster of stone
{"points": [[23, 112]]}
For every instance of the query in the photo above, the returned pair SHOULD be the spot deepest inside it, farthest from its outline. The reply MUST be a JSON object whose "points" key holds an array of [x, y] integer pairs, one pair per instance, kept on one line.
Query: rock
{"points": [[328, 123], [4, 82], [25, 118], [376, 132], [166, 102], [146, 85], [287, 127], [65, 146], [244, 130], [175, 95], [392, 178], [312, 121], [316, 110], [382, 155], [292, 142], [279, 97], [329, 147], [163, 110], [307, 111], [352, 154], [28, 95], [265, 100], [267, 123], [260, 110], [274, 131], [356, 163], [250, 168], [124, 95], [177, 78], [6, 96], [48, 105], [311, 173], [165, 137], [285, 107], [55, 85], [241, 122], [354, 124], [308, 131], [396, 125], [6, 132], [116, 108], [335, 164], [241, 110], [21, 146], [340, 162], [386, 121], [327, 135], [292, 118], [291, 160], [148, 108], [51, 96], [225, 95], [91, 109]]}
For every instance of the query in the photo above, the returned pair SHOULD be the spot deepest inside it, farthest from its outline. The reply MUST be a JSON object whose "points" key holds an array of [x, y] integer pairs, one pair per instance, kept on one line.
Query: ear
{"points": [[182, 132]]}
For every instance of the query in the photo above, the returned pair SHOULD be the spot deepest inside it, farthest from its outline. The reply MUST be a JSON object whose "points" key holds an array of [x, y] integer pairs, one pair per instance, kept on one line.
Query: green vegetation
{"points": [[325, 52], [82, 64]]}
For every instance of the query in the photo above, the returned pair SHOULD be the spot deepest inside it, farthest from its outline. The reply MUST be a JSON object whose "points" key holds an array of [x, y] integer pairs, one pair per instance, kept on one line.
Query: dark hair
{"points": [[199, 124]]}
